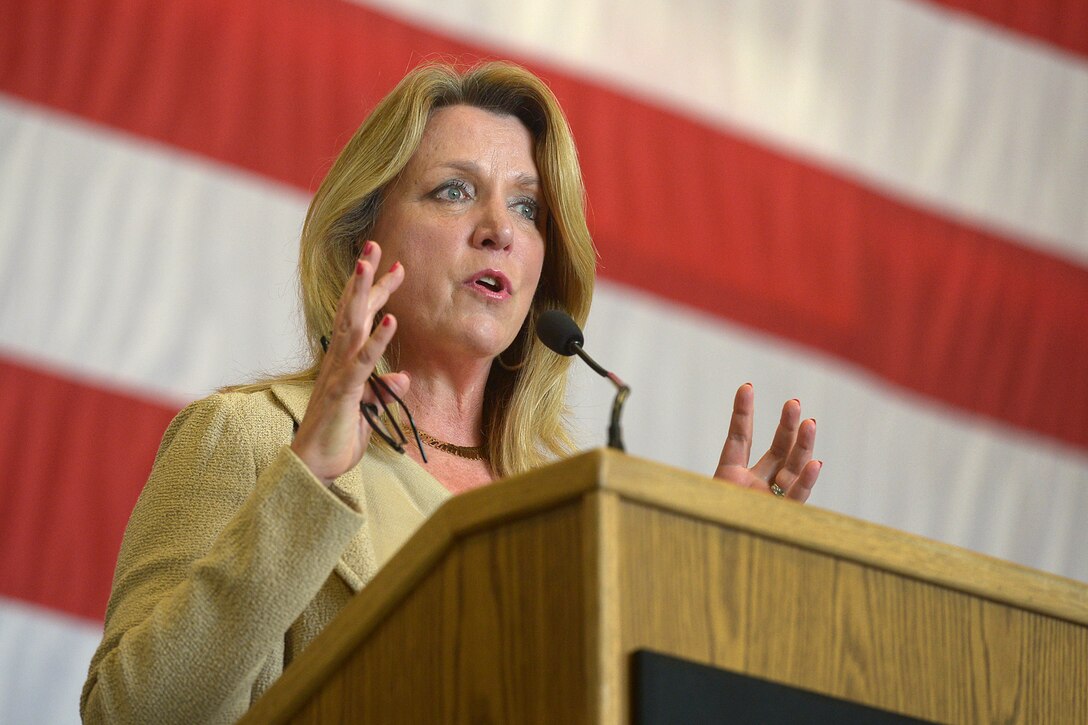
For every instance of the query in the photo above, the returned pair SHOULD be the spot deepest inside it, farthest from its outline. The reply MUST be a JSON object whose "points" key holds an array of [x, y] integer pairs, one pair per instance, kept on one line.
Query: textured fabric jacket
{"points": [[236, 557]]}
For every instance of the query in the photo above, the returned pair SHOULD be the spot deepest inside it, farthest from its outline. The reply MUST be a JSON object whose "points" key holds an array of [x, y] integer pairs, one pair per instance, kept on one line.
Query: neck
{"points": [[447, 401]]}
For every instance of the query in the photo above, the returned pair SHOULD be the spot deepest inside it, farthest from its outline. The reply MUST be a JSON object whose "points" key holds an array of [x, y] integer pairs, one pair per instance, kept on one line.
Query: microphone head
{"points": [[559, 332]]}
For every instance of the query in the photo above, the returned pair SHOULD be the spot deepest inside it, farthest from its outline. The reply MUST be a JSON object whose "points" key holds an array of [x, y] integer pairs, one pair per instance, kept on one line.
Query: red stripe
{"points": [[1063, 23], [273, 86], [75, 458], [678, 208]]}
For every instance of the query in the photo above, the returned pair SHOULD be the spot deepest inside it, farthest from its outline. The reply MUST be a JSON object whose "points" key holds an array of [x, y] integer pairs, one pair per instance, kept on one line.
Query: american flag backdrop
{"points": [[877, 206]]}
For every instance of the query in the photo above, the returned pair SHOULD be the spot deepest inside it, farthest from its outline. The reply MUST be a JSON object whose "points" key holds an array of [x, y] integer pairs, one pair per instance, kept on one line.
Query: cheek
{"points": [[396, 226], [426, 242], [535, 266], [419, 289], [535, 280]]}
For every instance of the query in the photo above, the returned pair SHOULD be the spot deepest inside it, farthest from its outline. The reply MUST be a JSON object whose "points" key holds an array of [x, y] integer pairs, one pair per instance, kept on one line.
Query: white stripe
{"points": [[192, 249], [935, 107], [43, 662], [130, 263]]}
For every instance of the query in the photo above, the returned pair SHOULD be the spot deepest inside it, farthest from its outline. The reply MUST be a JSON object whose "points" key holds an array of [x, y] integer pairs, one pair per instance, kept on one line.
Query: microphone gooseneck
{"points": [[561, 334]]}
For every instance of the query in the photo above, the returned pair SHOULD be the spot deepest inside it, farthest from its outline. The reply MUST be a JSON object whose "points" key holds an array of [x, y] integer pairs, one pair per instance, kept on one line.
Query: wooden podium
{"points": [[522, 602]]}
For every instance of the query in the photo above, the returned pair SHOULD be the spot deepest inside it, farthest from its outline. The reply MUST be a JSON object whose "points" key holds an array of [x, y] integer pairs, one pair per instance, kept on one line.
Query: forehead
{"points": [[468, 134]]}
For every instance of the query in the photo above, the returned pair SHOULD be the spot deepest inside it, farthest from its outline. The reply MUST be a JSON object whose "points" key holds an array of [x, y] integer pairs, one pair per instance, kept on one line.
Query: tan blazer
{"points": [[236, 557]]}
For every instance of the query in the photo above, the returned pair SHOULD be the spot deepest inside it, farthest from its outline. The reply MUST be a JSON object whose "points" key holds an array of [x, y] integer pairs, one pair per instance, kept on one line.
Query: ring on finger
{"points": [[776, 489]]}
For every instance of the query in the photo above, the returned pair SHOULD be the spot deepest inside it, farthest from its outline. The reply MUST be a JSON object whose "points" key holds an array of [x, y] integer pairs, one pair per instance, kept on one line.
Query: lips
{"points": [[491, 283]]}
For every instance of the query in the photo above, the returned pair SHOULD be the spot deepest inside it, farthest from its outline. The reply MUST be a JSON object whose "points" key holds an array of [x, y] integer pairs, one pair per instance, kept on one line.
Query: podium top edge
{"points": [[658, 485]]}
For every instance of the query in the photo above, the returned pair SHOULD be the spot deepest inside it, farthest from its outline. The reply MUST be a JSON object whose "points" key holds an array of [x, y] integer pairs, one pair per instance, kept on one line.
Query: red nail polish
{"points": [[368, 248], [387, 321], [358, 267], [395, 267]]}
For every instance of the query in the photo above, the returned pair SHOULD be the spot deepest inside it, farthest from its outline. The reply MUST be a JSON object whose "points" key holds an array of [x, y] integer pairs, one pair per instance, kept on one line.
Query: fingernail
{"points": [[395, 267], [749, 385], [796, 400], [358, 267], [820, 463], [406, 374], [387, 321], [368, 248]]}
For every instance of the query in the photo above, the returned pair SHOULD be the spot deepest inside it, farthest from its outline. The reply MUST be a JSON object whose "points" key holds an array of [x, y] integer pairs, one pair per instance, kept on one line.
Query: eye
{"points": [[527, 207], [453, 190]]}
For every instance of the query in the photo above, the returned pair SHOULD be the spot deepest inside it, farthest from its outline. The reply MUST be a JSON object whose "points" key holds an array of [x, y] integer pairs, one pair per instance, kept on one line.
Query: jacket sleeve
{"points": [[217, 561]]}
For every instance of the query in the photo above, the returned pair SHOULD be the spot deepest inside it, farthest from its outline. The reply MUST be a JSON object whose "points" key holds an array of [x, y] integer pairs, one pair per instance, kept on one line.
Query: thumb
{"points": [[398, 383]]}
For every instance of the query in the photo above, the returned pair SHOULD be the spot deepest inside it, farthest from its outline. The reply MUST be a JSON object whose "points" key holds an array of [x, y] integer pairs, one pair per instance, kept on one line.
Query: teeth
{"points": [[490, 282]]}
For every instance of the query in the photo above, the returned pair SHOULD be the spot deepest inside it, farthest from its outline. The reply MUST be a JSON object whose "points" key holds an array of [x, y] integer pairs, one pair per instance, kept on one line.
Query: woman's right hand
{"points": [[333, 435]]}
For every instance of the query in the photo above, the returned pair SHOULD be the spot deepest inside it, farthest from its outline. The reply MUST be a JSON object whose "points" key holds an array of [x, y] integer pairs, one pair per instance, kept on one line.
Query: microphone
{"points": [[561, 334]]}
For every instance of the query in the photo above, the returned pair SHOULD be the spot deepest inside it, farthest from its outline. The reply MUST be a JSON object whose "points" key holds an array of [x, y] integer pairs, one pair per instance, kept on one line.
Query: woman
{"points": [[449, 221]]}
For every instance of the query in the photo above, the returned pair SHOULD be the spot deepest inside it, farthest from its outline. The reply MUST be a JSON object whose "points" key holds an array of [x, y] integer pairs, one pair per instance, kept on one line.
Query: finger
{"points": [[356, 348], [363, 298], [367, 300], [368, 359], [383, 288], [738, 442], [350, 328], [784, 437], [359, 317], [374, 347], [362, 306], [802, 487], [801, 453], [347, 379]]}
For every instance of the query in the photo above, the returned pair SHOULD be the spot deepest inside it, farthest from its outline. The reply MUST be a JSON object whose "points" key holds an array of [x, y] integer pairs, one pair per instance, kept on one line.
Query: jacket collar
{"points": [[294, 397]]}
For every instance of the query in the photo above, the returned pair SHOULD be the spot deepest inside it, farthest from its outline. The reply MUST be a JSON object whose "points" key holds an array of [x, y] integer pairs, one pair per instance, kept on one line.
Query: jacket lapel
{"points": [[357, 564]]}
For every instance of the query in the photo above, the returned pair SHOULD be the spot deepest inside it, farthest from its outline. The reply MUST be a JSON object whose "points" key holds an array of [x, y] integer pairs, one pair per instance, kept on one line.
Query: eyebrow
{"points": [[471, 167]]}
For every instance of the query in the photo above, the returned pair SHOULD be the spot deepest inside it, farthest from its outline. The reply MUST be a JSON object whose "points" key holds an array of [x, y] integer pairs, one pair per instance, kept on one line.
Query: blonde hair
{"points": [[524, 407]]}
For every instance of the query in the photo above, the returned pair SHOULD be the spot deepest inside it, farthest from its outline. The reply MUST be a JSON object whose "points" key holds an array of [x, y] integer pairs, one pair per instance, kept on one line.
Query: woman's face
{"points": [[464, 218]]}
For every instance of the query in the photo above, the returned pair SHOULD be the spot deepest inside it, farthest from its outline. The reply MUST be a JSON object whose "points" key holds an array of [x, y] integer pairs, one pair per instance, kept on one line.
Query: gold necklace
{"points": [[471, 453]]}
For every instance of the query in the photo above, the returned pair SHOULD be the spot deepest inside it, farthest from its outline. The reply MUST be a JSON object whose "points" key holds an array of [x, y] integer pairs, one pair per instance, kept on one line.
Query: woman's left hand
{"points": [[788, 464]]}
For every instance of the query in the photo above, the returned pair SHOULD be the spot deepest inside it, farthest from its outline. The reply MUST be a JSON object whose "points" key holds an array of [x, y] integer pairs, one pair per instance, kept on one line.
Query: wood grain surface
{"points": [[522, 602], [779, 612], [493, 634]]}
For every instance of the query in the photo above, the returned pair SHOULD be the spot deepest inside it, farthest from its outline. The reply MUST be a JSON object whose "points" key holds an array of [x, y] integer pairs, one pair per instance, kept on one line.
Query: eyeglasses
{"points": [[374, 416]]}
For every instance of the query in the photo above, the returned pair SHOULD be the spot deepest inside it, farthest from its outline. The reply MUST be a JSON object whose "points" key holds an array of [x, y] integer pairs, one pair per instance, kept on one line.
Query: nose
{"points": [[494, 228]]}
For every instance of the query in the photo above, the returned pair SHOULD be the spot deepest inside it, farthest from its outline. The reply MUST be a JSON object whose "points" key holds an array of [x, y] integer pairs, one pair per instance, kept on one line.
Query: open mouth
{"points": [[489, 282], [492, 282]]}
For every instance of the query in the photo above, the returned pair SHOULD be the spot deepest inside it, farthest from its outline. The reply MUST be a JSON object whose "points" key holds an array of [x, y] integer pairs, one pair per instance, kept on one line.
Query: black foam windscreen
{"points": [[559, 332]]}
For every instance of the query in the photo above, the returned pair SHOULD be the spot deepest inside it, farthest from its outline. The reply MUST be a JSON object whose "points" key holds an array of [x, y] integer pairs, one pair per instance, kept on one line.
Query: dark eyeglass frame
{"points": [[374, 418]]}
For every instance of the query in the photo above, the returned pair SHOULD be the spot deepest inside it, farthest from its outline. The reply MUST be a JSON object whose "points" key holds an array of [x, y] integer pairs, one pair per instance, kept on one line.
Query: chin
{"points": [[488, 339]]}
